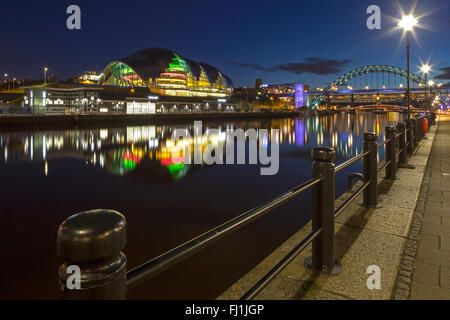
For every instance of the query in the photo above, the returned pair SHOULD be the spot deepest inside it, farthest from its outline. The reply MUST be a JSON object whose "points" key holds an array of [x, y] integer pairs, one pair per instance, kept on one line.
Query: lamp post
{"points": [[407, 23], [425, 69], [6, 80], [431, 83], [45, 75]]}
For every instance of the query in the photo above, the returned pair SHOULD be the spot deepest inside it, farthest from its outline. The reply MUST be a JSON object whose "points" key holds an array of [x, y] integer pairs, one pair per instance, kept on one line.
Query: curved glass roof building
{"points": [[166, 72]]}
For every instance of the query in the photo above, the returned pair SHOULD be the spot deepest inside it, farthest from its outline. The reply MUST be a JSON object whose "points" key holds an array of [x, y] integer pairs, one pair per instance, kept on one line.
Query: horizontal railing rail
{"points": [[164, 261], [350, 161], [94, 239], [349, 200], [269, 276]]}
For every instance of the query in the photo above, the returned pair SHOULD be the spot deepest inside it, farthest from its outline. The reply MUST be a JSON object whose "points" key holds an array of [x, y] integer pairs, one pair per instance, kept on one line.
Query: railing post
{"points": [[90, 244], [323, 258], [391, 168], [416, 132], [410, 135], [370, 195], [402, 142], [422, 133], [420, 128]]}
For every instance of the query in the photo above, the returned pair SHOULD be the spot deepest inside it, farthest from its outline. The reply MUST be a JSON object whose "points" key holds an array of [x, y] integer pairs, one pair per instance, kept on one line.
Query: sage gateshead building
{"points": [[166, 73], [154, 80]]}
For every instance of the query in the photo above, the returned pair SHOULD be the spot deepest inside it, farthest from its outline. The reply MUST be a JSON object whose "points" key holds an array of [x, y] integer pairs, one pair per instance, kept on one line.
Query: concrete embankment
{"points": [[364, 237], [61, 121], [105, 120]]}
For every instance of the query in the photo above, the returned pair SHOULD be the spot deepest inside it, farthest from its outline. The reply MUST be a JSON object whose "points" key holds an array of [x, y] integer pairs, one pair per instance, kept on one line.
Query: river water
{"points": [[47, 176]]}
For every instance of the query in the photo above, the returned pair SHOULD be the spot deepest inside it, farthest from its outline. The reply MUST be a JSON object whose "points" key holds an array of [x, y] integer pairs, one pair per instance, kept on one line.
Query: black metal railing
{"points": [[93, 240]]}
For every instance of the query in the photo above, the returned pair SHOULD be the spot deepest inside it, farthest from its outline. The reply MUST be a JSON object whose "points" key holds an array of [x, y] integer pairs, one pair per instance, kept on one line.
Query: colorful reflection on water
{"points": [[140, 171], [122, 150]]}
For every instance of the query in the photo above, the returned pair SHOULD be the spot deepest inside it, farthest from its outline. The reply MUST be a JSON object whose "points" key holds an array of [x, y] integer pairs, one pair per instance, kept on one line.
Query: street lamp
{"points": [[8, 80], [430, 84], [407, 23], [425, 70], [45, 75]]}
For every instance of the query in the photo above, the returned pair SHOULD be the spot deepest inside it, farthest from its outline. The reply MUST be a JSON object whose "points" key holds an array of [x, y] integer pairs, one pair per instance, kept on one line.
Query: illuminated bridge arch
{"points": [[361, 72], [342, 80]]}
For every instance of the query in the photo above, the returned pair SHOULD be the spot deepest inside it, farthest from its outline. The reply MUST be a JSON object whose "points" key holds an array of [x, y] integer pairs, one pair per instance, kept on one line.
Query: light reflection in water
{"points": [[122, 150], [133, 170]]}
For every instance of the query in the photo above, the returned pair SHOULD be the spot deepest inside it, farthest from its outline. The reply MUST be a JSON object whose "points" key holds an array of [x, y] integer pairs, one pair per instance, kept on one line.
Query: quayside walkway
{"points": [[431, 274], [383, 238]]}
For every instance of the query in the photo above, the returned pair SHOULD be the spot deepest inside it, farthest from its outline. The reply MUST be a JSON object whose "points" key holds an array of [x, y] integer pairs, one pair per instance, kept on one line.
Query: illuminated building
{"points": [[89, 77], [299, 95], [62, 100], [167, 73]]}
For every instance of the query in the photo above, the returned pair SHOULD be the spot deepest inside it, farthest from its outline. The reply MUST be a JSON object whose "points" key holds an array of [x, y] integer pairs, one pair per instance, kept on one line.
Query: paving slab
{"points": [[431, 274]]}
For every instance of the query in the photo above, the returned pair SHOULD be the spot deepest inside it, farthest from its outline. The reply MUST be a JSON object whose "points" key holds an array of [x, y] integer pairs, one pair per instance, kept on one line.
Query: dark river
{"points": [[47, 176]]}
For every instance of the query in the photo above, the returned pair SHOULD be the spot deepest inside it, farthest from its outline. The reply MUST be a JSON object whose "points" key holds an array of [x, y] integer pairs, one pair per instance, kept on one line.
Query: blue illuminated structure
{"points": [[299, 95]]}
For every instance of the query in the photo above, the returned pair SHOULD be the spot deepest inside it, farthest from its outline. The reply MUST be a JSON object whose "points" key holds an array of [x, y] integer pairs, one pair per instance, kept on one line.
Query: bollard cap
{"points": [[390, 129], [370, 136], [91, 235], [323, 153]]}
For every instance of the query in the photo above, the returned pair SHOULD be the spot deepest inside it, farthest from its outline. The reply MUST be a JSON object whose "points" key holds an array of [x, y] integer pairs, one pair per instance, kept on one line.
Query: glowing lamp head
{"points": [[430, 83], [425, 68], [408, 22]]}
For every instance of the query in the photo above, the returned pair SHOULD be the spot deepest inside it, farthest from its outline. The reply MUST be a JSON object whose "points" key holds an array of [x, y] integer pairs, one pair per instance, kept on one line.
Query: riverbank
{"points": [[61, 121], [105, 120], [364, 237]]}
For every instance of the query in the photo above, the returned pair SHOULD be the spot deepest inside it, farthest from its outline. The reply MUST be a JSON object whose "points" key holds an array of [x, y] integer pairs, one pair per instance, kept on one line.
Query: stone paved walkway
{"points": [[431, 276]]}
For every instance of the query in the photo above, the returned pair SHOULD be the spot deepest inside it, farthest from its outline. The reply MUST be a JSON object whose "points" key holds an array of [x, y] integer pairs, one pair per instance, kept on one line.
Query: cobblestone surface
{"points": [[424, 264]]}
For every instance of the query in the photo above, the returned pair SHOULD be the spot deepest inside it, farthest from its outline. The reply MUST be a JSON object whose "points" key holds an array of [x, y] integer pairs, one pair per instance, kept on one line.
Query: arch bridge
{"points": [[370, 81]]}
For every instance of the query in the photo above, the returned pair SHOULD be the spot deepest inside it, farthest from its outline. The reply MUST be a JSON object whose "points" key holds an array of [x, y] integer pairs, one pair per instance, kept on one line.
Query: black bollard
{"points": [[402, 142], [410, 135], [91, 242], [323, 256], [370, 195], [391, 168]]}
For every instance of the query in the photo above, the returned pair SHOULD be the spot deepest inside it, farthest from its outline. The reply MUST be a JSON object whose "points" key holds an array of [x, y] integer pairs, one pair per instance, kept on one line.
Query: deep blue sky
{"points": [[245, 39]]}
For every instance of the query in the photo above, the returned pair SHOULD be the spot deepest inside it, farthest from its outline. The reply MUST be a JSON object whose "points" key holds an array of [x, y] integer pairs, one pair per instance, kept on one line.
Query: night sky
{"points": [[280, 41]]}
